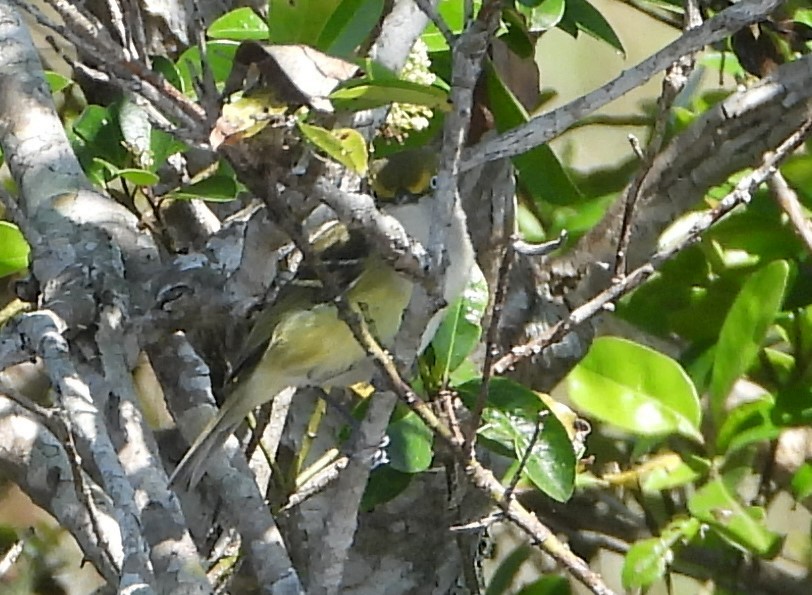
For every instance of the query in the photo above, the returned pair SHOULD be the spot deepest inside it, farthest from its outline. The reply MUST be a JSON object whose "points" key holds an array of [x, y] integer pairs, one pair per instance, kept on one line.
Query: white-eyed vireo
{"points": [[308, 342]]}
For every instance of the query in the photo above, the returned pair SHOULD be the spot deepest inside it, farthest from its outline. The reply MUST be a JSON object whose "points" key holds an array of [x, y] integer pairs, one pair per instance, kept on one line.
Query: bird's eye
{"points": [[433, 183]]}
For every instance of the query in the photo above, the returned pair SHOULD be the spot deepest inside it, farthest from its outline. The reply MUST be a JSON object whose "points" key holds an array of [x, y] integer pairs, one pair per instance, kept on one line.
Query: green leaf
{"points": [[744, 329], [385, 484], [540, 171], [344, 145], [748, 423], [505, 395], [453, 14], [647, 560], [547, 585], [637, 389], [349, 25], [163, 145], [793, 405], [410, 444], [543, 15], [802, 482], [798, 171], [551, 464], [673, 472], [529, 226], [369, 94], [169, 71], [139, 177], [299, 22], [219, 55], [715, 504], [727, 62], [459, 333], [217, 188], [507, 571], [56, 81], [582, 16], [239, 24], [14, 249], [749, 239], [97, 138]]}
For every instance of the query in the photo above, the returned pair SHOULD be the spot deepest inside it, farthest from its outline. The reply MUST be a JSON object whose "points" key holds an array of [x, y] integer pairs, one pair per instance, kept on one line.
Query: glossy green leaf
{"points": [[647, 560], [547, 585], [452, 12], [540, 171], [716, 505], [96, 138], [793, 405], [219, 56], [637, 389], [461, 328], [749, 239], [239, 24], [802, 482], [344, 145], [302, 21], [139, 177], [749, 422], [369, 94], [169, 70], [529, 226], [163, 145], [217, 188], [543, 15], [727, 62], [56, 81], [518, 38], [798, 172], [410, 444], [505, 395], [551, 464], [674, 473], [14, 249], [349, 25], [100, 171], [580, 15], [385, 484], [465, 372], [507, 571], [743, 331]]}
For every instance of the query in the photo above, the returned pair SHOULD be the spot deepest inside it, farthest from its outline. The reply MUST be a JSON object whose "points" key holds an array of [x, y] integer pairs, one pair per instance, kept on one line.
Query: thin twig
{"points": [[741, 194], [676, 77], [514, 481], [12, 555], [434, 16], [787, 199], [491, 342], [546, 127], [83, 491]]}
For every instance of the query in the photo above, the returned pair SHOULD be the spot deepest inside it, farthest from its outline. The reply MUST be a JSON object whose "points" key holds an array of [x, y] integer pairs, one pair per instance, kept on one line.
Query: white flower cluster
{"points": [[404, 118]]}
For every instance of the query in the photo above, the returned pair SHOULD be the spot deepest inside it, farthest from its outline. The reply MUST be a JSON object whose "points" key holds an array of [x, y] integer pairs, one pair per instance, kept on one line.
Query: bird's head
{"points": [[404, 177]]}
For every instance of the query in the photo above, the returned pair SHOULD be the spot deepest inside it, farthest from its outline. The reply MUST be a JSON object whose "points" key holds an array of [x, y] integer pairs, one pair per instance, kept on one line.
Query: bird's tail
{"points": [[253, 392], [193, 465]]}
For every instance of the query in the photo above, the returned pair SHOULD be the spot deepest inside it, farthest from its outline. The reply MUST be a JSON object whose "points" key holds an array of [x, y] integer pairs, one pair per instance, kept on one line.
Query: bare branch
{"points": [[546, 127], [43, 331], [184, 377]]}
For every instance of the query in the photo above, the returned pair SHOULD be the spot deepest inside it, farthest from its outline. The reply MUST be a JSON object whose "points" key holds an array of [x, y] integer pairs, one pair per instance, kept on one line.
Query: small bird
{"points": [[300, 340]]}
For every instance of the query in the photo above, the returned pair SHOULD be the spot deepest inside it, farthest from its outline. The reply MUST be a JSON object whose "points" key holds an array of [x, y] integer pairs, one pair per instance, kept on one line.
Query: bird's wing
{"points": [[343, 252]]}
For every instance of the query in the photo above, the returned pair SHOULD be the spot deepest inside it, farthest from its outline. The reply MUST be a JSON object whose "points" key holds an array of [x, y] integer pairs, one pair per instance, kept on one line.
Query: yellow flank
{"points": [[317, 339]]}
